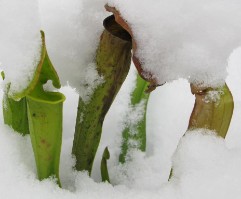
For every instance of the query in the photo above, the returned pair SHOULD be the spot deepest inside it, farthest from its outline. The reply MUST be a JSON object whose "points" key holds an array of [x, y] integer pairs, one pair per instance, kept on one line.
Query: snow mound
{"points": [[189, 39], [204, 167]]}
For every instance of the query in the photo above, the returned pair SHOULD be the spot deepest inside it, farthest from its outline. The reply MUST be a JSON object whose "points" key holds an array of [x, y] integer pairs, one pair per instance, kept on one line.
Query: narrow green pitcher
{"points": [[45, 125], [38, 112], [113, 59]]}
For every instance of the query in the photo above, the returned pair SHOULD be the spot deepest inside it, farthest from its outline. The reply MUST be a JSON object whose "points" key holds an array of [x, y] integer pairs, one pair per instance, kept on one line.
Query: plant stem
{"points": [[15, 114], [104, 167], [136, 131], [113, 58], [212, 114], [40, 113], [45, 124], [45, 120]]}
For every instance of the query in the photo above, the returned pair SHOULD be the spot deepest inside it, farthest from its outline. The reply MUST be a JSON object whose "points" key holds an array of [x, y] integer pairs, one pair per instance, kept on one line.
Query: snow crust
{"points": [[20, 41], [189, 39], [73, 30]]}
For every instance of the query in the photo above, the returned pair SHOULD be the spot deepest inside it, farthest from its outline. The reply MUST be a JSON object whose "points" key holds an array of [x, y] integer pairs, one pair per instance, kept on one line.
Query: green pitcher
{"points": [[45, 125]]}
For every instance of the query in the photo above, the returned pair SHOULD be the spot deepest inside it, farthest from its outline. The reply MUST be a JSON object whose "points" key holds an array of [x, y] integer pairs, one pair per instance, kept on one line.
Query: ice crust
{"points": [[189, 39], [20, 41]]}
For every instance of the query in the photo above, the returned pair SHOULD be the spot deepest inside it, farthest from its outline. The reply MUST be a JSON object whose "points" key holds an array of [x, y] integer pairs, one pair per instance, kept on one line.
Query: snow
{"points": [[213, 96], [204, 166], [209, 155], [189, 39], [20, 42], [73, 29], [135, 114]]}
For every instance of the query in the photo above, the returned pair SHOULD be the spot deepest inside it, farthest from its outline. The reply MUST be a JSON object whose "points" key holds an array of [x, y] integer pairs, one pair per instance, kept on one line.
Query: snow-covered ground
{"points": [[204, 166]]}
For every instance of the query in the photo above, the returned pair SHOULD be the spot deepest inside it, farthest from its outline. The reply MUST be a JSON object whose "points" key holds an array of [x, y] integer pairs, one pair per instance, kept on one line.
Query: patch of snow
{"points": [[189, 39], [205, 164], [213, 96], [20, 40], [72, 30]]}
